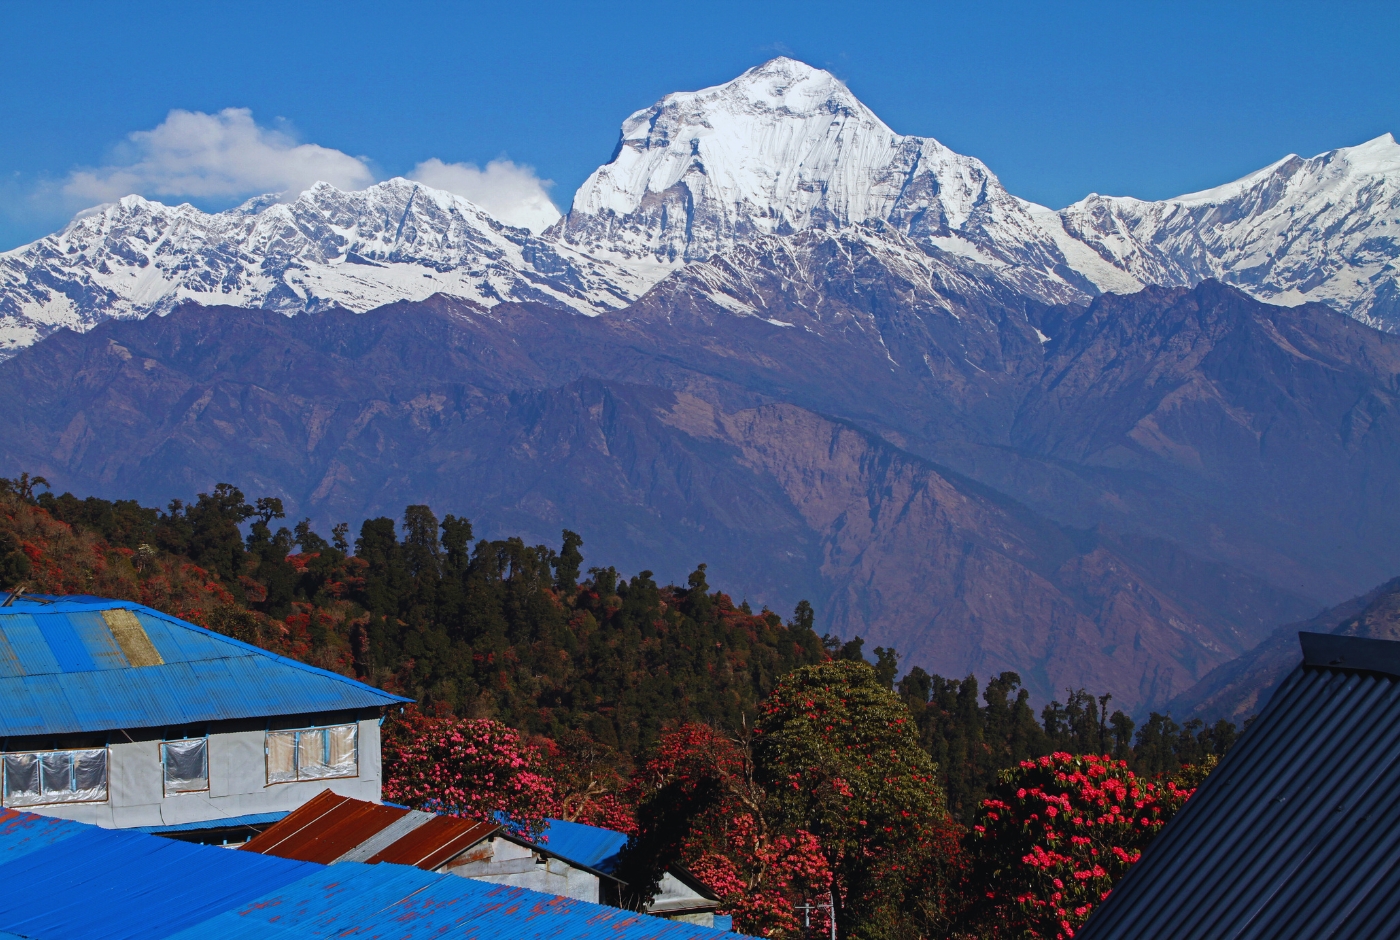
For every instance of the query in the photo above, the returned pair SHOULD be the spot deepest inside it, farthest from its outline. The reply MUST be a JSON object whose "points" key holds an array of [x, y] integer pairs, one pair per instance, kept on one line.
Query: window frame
{"points": [[164, 767], [106, 776], [296, 752]]}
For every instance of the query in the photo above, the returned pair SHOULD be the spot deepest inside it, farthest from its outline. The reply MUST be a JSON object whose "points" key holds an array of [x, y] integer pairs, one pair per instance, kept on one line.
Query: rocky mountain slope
{"points": [[446, 403], [1277, 421], [1128, 503], [1242, 687], [1260, 436]]}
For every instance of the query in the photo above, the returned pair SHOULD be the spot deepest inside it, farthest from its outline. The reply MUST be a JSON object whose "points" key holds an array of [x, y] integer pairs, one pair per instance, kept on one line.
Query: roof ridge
{"points": [[305, 667]]}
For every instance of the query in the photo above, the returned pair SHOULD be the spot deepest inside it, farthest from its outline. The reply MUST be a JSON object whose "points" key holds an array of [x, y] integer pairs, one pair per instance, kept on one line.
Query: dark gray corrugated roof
{"points": [[65, 668], [1297, 832]]}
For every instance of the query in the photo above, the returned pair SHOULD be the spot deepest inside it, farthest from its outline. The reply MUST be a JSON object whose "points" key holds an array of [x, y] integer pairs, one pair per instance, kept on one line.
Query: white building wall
{"points": [[503, 862], [237, 782], [675, 900]]}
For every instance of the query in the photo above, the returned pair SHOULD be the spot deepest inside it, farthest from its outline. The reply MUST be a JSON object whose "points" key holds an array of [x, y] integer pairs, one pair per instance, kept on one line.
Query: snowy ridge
{"points": [[398, 240], [827, 281], [1323, 229]]}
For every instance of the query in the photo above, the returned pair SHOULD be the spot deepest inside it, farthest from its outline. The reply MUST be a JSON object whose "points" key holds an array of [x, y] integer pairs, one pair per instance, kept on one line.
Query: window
{"points": [[313, 754], [40, 777], [185, 764]]}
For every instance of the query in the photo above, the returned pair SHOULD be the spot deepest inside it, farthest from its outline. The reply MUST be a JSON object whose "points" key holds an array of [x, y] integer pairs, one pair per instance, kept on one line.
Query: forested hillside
{"points": [[667, 711], [484, 628], [526, 634]]}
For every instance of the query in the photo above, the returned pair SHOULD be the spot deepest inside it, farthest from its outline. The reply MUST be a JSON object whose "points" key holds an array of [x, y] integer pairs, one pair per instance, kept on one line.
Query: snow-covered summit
{"points": [[1320, 229], [782, 144], [397, 240], [786, 147]]}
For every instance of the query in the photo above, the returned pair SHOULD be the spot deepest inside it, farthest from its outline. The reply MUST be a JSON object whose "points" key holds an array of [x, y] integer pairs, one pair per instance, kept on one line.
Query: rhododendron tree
{"points": [[589, 782], [1054, 836], [838, 756], [472, 767], [762, 878], [699, 804]]}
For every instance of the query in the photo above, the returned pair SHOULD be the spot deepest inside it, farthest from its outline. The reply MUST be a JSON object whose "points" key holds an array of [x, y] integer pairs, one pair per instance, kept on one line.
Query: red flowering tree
{"points": [[762, 878], [589, 782], [471, 767], [1053, 838], [838, 756], [699, 804]]}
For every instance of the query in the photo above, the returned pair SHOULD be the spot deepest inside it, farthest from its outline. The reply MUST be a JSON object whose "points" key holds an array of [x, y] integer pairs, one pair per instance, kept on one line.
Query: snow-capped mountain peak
{"points": [[756, 140], [786, 147], [1326, 228]]}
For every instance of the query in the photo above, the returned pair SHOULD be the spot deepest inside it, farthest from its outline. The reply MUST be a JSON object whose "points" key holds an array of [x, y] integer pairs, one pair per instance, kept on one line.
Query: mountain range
{"points": [[783, 148], [1113, 446]]}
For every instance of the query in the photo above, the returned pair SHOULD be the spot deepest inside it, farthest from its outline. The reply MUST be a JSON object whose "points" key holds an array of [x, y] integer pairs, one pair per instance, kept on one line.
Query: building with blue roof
{"points": [[569, 859], [69, 881], [679, 894], [122, 716]]}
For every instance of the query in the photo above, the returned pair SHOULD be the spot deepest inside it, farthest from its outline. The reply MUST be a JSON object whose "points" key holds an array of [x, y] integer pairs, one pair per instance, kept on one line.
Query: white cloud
{"points": [[509, 191], [228, 155], [199, 155]]}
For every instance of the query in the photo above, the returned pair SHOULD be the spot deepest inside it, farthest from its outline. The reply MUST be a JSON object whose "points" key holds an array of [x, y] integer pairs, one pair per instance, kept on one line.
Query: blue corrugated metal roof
{"points": [[1297, 832], [588, 845], [62, 670], [95, 884], [227, 822], [407, 903], [100, 883], [22, 833]]}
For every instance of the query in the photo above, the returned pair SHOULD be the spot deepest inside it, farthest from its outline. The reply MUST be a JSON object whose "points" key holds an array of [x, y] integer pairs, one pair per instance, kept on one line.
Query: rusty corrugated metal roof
{"points": [[329, 828], [435, 842]]}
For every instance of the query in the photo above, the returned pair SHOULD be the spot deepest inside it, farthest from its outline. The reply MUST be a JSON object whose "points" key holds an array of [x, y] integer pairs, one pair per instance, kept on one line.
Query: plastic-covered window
{"points": [[37, 778], [186, 765], [313, 754], [281, 757]]}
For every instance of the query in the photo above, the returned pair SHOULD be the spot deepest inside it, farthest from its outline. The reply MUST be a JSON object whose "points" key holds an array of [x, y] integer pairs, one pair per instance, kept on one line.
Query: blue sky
{"points": [[1059, 99]]}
